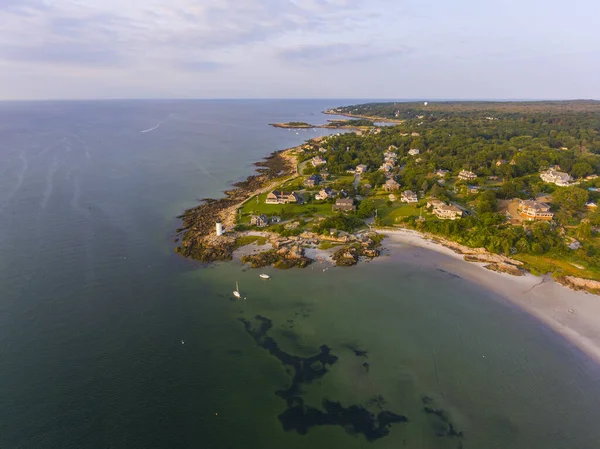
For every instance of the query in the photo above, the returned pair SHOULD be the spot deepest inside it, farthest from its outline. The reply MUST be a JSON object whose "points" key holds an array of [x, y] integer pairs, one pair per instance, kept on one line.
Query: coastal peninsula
{"points": [[514, 183]]}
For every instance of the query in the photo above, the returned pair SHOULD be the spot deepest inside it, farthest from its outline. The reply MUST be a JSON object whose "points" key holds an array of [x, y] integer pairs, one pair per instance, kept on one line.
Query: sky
{"points": [[395, 49]]}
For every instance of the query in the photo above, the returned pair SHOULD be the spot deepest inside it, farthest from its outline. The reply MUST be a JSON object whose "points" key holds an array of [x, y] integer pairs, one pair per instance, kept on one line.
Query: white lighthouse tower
{"points": [[219, 229]]}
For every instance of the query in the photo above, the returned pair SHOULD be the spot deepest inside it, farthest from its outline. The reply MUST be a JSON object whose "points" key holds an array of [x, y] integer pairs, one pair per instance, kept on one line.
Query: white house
{"points": [[413, 151], [318, 160], [360, 169], [556, 177], [467, 175], [408, 196]]}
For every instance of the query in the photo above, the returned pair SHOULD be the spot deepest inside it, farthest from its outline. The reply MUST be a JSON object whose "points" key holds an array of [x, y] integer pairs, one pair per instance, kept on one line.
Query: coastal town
{"points": [[531, 200]]}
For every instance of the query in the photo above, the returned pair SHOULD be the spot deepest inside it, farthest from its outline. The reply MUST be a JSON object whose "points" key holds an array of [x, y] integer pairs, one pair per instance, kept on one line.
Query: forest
{"points": [[506, 145]]}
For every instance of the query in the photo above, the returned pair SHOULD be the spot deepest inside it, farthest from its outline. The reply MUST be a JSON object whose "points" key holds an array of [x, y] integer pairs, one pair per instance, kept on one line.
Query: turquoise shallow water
{"points": [[94, 305]]}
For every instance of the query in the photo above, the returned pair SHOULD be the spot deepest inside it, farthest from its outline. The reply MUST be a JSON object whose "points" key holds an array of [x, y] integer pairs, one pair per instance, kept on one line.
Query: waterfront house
{"points": [[553, 176], [408, 196], [467, 175], [434, 202], [391, 185], [312, 181], [280, 197], [344, 205], [259, 220], [534, 210], [413, 151], [447, 212]]}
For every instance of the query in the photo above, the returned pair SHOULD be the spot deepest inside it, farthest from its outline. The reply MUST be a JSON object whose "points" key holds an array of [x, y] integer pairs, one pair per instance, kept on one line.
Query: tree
{"points": [[581, 169], [571, 200], [376, 178], [486, 202], [366, 208], [584, 230]]}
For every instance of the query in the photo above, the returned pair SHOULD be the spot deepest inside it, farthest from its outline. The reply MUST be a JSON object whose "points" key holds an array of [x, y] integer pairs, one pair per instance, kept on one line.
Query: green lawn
{"points": [[545, 264], [251, 207], [391, 215]]}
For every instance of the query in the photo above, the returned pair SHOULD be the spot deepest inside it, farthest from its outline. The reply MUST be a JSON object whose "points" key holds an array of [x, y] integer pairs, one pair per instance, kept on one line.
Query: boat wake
{"points": [[152, 129]]}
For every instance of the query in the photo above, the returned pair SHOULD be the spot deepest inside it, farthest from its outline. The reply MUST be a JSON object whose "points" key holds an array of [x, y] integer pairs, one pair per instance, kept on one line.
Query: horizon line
{"points": [[366, 99]]}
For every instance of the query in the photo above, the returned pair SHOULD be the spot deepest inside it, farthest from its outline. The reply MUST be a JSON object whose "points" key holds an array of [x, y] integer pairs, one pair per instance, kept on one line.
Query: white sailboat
{"points": [[265, 276], [236, 292]]}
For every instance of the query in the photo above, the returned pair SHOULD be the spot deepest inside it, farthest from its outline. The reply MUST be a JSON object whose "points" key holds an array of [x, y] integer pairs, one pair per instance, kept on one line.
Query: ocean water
{"points": [[95, 305]]}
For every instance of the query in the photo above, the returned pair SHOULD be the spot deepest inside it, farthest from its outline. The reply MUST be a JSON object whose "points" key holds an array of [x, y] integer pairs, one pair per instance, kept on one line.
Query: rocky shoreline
{"points": [[197, 239]]}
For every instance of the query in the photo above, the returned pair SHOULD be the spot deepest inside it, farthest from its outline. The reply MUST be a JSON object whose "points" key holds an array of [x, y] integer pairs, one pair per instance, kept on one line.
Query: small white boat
{"points": [[264, 276], [236, 292], [182, 342]]}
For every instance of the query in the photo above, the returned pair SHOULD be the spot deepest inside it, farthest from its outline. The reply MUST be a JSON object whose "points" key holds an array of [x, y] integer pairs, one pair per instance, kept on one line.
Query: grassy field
{"points": [[251, 207], [544, 264], [248, 239], [391, 215]]}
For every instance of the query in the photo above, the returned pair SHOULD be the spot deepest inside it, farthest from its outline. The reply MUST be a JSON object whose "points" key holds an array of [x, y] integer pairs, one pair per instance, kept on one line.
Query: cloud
{"points": [[67, 53], [338, 52], [199, 66]]}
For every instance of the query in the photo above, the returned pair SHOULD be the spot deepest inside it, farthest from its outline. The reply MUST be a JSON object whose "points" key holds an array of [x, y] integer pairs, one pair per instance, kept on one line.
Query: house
{"points": [[408, 196], [472, 189], [574, 245], [590, 177], [447, 212], [434, 202], [591, 205], [360, 169], [493, 178], [317, 160], [344, 205], [322, 150], [467, 175], [441, 173], [312, 181], [556, 177], [415, 134], [275, 219], [390, 156], [413, 151], [324, 173], [280, 197], [534, 210], [324, 194], [259, 220], [500, 162], [386, 167], [391, 185]]}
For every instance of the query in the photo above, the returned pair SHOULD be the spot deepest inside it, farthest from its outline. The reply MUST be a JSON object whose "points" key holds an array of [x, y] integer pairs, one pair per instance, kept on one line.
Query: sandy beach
{"points": [[573, 314]]}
